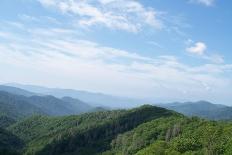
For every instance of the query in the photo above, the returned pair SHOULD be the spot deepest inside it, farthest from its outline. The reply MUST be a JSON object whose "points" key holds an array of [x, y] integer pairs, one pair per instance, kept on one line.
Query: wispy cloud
{"points": [[127, 15], [68, 62], [46, 50], [204, 2]]}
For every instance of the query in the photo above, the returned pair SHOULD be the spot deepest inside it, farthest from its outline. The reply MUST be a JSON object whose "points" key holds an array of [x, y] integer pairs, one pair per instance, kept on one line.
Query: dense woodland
{"points": [[28, 127], [145, 130]]}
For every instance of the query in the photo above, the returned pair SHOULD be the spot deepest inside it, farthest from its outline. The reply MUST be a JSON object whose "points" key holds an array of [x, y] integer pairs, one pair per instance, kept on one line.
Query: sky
{"points": [[164, 50]]}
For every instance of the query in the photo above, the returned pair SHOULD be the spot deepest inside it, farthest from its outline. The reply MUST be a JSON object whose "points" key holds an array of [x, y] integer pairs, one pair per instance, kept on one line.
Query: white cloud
{"points": [[204, 2], [198, 48], [126, 15], [46, 59]]}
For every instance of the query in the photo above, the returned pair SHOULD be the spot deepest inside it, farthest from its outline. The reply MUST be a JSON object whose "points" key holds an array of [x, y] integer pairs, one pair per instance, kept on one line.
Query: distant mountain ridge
{"points": [[16, 90], [202, 109], [18, 106], [57, 98], [94, 99]]}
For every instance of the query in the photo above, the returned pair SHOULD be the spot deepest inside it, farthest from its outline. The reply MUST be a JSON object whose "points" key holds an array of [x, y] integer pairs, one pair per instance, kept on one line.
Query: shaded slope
{"points": [[86, 134], [6, 121], [53, 106], [80, 106], [16, 107], [9, 143]]}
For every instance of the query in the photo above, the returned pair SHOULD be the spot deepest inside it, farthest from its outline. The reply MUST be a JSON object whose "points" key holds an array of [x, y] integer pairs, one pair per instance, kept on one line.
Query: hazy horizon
{"points": [[138, 101]]}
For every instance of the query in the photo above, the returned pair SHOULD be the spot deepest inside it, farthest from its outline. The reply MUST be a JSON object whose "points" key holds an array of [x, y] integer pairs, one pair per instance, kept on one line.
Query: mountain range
{"points": [[56, 101], [94, 99], [16, 107], [36, 123], [202, 109]]}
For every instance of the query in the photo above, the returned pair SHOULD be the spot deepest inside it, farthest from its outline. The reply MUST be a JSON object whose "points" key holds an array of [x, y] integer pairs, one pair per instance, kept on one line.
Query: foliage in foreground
{"points": [[90, 133], [147, 130]]}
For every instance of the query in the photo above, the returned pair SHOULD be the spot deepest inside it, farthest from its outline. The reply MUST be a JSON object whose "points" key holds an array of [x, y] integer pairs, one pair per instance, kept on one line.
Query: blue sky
{"points": [[164, 50]]}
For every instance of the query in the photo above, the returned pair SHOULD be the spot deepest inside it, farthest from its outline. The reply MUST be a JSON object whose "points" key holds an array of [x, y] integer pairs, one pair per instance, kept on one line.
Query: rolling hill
{"points": [[49, 125], [147, 130], [202, 109], [80, 106], [85, 134], [17, 91], [67, 101], [16, 107], [93, 99]]}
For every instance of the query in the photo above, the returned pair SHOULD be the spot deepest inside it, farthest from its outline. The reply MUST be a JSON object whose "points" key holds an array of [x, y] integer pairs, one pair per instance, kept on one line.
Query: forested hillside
{"points": [[175, 135], [147, 130], [86, 134], [15, 107], [46, 125], [9, 143]]}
